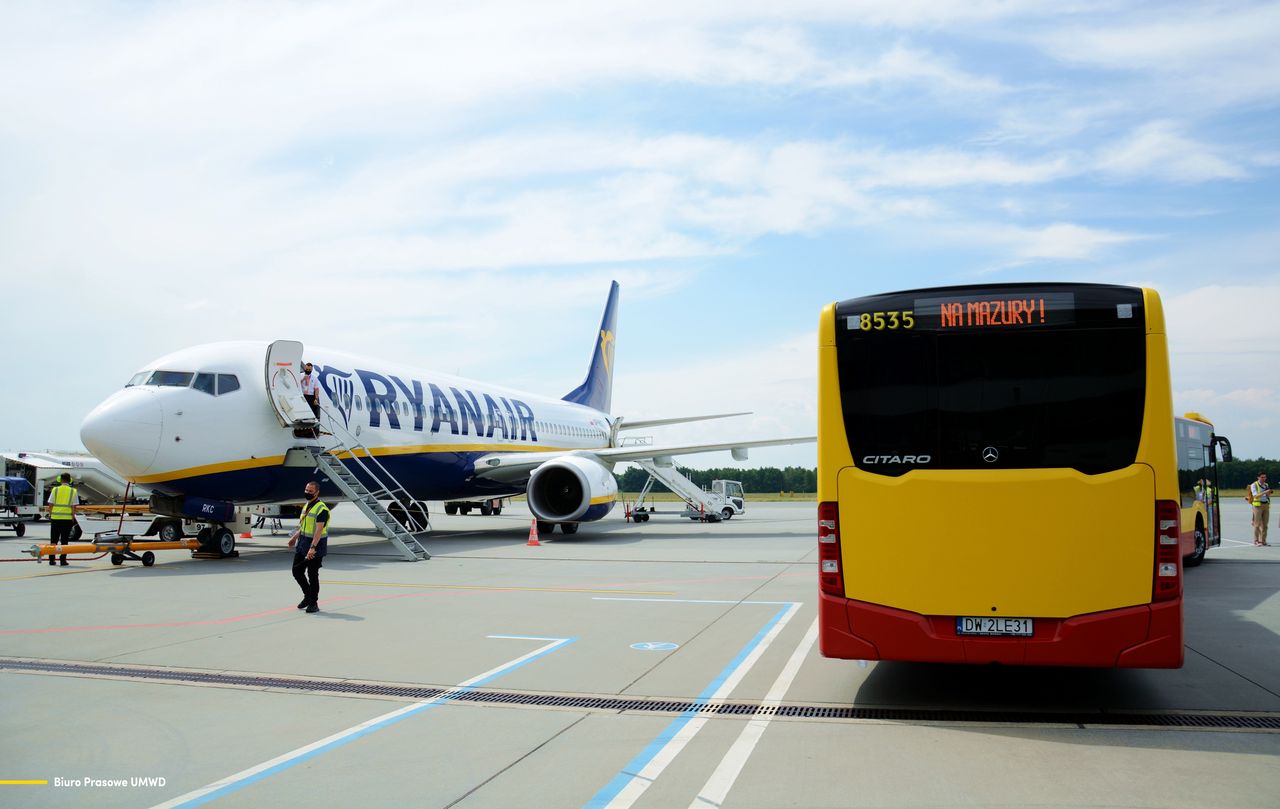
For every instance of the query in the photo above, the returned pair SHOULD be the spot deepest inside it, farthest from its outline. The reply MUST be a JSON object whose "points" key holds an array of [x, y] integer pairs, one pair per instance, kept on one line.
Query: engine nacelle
{"points": [[571, 489]]}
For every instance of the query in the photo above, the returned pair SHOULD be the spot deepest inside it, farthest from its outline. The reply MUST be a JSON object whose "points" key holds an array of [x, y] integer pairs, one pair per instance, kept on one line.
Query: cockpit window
{"points": [[171, 379], [227, 383], [137, 379], [205, 383]]}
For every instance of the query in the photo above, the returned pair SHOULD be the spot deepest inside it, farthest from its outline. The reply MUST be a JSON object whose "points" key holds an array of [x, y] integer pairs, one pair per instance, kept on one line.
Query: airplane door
{"points": [[284, 364]]}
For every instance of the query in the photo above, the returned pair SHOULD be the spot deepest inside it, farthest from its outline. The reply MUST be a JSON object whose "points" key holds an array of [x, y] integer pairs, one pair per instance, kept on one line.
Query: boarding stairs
{"points": [[699, 503], [331, 445], [404, 535]]}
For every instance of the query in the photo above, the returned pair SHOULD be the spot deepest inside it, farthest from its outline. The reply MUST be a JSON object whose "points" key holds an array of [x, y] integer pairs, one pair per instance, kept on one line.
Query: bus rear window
{"points": [[1059, 383]]}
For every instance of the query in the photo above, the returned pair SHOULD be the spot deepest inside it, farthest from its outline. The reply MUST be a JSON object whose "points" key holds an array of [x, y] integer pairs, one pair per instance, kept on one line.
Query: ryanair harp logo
{"points": [[606, 351]]}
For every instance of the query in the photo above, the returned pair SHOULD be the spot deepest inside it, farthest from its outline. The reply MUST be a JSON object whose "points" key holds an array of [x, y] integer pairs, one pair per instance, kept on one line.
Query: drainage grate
{"points": [[1255, 721]]}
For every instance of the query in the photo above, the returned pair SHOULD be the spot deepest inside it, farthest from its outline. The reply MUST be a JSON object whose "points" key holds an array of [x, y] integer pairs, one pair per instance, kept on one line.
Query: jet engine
{"points": [[571, 489]]}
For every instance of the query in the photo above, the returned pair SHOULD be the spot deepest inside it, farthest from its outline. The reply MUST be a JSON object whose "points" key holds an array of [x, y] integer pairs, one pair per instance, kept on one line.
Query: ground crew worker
{"points": [[311, 389], [1260, 496], [312, 538], [62, 513]]}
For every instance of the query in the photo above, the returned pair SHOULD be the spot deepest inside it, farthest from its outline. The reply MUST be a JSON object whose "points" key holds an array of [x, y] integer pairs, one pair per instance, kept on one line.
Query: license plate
{"points": [[994, 626]]}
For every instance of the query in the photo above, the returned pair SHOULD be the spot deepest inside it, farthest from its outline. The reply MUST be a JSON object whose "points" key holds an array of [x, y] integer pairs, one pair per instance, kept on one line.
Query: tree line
{"points": [[758, 481], [1240, 473], [1234, 475]]}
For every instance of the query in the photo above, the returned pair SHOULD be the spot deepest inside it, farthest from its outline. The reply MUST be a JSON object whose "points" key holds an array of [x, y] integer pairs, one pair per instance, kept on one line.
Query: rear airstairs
{"points": [[343, 455], [699, 503]]}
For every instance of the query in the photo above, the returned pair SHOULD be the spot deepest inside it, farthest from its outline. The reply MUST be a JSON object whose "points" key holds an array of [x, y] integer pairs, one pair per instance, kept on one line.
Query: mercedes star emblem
{"points": [[990, 454]]}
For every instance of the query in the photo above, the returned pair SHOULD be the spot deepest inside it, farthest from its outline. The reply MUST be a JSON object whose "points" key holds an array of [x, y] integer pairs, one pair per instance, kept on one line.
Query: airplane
{"points": [[219, 425]]}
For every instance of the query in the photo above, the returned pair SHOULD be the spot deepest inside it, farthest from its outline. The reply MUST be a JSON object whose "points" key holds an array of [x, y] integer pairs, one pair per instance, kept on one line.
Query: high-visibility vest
{"points": [[307, 527], [63, 497], [1257, 490]]}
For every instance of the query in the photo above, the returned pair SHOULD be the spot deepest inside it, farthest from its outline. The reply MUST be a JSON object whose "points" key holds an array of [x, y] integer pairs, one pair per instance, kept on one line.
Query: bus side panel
{"points": [[833, 442], [1159, 441], [1050, 543]]}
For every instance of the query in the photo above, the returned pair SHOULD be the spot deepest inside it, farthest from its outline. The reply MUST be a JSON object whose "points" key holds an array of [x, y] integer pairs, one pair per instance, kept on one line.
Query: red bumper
{"points": [[1148, 636]]}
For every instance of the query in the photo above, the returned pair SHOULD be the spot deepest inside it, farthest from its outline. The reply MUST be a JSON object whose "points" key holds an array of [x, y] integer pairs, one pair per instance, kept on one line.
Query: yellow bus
{"points": [[1201, 523], [998, 478]]}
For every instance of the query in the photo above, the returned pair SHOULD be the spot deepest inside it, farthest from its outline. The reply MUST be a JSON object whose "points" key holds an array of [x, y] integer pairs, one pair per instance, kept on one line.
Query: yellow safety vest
{"points": [[307, 527], [63, 497], [1261, 495]]}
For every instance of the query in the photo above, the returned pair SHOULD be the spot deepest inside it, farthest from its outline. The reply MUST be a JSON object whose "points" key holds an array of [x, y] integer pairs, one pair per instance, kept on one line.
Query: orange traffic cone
{"points": [[248, 533], [533, 534]]}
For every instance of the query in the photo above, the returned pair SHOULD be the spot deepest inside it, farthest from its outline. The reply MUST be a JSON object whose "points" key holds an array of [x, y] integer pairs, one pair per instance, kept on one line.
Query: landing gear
{"points": [[217, 540], [545, 527], [450, 509], [568, 528], [413, 518]]}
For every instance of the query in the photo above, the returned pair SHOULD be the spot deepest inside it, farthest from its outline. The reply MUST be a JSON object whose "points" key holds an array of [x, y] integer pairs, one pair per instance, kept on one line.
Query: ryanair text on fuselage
{"points": [[463, 411]]}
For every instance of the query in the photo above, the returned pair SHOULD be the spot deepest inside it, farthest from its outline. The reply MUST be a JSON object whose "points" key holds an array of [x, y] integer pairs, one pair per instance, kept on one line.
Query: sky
{"points": [[454, 185]]}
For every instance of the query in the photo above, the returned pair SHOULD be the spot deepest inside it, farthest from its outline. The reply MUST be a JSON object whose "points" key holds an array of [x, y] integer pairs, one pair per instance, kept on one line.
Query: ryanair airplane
{"points": [[225, 424]]}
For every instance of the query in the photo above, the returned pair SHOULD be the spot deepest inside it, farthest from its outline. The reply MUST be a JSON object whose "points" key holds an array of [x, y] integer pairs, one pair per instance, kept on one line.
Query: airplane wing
{"points": [[509, 467]]}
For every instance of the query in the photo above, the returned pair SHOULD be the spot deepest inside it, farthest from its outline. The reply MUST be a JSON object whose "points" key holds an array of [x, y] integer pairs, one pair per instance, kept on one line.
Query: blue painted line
{"points": [[389, 721], [633, 768]]}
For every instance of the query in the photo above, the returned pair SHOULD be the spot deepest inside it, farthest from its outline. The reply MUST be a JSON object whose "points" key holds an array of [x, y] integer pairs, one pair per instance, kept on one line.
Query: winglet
{"points": [[596, 391]]}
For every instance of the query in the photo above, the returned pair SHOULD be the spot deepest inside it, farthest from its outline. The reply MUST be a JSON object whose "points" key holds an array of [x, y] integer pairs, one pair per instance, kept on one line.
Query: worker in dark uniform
{"points": [[62, 514], [312, 543]]}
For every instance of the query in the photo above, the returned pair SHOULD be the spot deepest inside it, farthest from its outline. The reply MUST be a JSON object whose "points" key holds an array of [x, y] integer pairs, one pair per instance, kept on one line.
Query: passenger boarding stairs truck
{"points": [[724, 500]]}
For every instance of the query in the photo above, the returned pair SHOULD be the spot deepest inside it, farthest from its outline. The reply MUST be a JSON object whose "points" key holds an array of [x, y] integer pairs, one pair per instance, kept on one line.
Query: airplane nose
{"points": [[124, 431]]}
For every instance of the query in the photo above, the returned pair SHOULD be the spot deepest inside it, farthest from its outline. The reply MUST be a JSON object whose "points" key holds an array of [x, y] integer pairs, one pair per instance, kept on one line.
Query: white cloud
{"points": [[1159, 149]]}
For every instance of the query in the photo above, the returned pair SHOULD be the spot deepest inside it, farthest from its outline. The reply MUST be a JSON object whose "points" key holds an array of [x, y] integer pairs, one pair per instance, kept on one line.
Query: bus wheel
{"points": [[1197, 555]]}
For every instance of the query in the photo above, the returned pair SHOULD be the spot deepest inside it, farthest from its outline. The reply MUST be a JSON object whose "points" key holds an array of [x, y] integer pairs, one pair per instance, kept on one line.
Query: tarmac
{"points": [[663, 664]]}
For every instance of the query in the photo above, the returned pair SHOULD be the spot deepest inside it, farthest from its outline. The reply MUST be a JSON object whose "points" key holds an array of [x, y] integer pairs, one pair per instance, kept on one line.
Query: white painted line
{"points": [[627, 786], [244, 778], [695, 601], [722, 780]]}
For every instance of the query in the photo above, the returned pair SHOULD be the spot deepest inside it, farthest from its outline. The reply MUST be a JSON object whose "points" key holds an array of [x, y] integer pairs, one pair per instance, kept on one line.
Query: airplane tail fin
{"points": [[596, 391]]}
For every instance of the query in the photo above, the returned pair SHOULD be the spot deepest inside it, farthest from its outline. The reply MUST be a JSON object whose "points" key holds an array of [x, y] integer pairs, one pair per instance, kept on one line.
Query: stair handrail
{"points": [[348, 442]]}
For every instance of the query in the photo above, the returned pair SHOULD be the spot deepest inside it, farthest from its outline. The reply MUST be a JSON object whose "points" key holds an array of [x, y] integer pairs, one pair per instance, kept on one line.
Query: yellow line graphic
{"points": [[23, 782]]}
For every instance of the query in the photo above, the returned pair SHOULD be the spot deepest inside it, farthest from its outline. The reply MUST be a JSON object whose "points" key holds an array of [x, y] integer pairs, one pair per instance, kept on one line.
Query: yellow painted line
{"points": [[24, 782], [505, 589]]}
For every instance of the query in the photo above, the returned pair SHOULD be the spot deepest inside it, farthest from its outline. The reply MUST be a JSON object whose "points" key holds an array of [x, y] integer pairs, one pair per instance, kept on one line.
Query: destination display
{"points": [[1016, 309]]}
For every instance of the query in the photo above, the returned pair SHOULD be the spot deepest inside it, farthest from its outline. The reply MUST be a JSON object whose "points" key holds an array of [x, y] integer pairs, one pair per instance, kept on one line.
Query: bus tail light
{"points": [[1168, 573], [830, 577]]}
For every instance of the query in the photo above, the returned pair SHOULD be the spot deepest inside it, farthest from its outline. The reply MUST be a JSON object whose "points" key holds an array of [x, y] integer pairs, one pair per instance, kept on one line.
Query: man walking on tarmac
{"points": [[62, 514], [312, 538]]}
